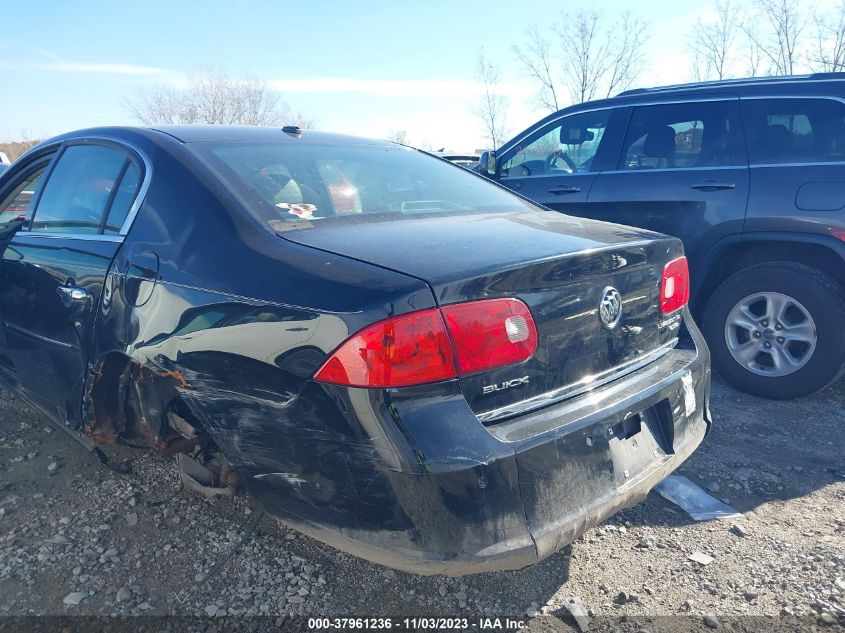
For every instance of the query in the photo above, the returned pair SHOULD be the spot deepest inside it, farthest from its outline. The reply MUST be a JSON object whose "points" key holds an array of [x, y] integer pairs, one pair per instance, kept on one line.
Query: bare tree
{"points": [[589, 59], [160, 105], [699, 67], [583, 52], [298, 119], [537, 61], [782, 39], [212, 96], [492, 106], [712, 43], [625, 60], [398, 136], [830, 40], [597, 61], [751, 52]]}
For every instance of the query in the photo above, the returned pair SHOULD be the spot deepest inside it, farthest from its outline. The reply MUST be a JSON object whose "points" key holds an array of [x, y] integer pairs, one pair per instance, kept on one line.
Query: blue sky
{"points": [[361, 67]]}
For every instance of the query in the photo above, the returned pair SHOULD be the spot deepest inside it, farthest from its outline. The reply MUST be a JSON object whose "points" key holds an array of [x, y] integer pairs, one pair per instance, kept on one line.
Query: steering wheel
{"points": [[551, 159]]}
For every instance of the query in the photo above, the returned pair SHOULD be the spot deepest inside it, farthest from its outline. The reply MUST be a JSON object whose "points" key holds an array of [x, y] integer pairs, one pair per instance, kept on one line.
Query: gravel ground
{"points": [[79, 538]]}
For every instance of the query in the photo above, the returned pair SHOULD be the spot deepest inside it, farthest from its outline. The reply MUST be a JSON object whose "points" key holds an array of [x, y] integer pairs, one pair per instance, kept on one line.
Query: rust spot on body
{"points": [[177, 376], [129, 402]]}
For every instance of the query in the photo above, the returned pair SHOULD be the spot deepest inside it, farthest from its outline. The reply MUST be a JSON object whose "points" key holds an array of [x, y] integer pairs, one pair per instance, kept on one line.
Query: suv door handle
{"points": [[72, 294], [713, 185], [564, 189]]}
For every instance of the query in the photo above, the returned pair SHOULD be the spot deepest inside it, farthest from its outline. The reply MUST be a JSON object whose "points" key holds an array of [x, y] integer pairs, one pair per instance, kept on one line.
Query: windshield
{"points": [[297, 186]]}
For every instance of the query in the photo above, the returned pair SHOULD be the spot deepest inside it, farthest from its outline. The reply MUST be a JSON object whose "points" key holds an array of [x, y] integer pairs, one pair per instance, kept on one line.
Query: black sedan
{"points": [[388, 352]]}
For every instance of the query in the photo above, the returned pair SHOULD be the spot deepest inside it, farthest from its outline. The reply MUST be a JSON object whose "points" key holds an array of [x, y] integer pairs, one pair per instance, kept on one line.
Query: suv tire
{"points": [[777, 330]]}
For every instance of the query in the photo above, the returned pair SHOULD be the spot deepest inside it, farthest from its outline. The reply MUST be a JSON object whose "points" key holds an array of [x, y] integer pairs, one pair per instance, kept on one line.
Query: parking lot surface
{"points": [[77, 537]]}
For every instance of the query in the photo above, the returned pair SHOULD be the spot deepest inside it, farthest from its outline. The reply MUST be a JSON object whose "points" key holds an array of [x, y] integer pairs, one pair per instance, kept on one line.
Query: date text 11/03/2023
{"points": [[416, 623]]}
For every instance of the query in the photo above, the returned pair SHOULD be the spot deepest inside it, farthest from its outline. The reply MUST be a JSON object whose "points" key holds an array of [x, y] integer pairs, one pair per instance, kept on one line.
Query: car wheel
{"points": [[777, 330]]}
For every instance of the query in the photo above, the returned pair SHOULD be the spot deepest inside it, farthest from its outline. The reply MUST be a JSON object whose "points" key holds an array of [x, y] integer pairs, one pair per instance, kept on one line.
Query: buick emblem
{"points": [[610, 307]]}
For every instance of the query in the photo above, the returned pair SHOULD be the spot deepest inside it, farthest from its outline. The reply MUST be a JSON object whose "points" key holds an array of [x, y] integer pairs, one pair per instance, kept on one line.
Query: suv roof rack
{"points": [[728, 82]]}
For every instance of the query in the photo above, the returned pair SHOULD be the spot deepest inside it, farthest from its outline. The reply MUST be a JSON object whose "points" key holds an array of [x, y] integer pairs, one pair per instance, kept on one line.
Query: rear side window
{"points": [[292, 185], [82, 189], [127, 191], [794, 130], [673, 136]]}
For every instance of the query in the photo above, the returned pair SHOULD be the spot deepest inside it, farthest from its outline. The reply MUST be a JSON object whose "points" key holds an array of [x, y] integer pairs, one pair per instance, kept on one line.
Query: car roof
{"points": [[800, 82], [786, 85], [234, 133], [219, 133]]}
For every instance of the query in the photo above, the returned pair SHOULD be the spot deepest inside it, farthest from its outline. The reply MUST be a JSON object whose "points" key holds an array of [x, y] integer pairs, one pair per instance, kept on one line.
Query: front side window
{"points": [[19, 202], [678, 136], [81, 190], [287, 185], [568, 147], [794, 130]]}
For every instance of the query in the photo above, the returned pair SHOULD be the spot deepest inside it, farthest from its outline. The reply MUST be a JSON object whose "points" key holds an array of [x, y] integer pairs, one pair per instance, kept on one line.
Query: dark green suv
{"points": [[750, 174]]}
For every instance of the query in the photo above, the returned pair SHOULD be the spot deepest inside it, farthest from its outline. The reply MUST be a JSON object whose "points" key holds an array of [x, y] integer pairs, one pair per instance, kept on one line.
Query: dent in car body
{"points": [[233, 320]]}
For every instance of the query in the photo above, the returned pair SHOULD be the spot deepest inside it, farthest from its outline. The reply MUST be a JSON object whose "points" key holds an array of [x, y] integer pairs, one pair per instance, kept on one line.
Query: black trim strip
{"points": [[38, 337]]}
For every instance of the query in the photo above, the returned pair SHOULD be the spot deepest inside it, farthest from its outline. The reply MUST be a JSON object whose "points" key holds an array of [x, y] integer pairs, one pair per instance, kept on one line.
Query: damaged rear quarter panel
{"points": [[396, 470], [236, 320]]}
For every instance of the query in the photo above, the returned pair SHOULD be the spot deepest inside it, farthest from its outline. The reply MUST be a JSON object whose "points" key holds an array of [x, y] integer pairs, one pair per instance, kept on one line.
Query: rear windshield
{"points": [[290, 186]]}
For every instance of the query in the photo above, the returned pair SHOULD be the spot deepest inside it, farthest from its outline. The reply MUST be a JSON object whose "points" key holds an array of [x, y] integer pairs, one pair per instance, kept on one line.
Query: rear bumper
{"points": [[552, 488], [427, 489]]}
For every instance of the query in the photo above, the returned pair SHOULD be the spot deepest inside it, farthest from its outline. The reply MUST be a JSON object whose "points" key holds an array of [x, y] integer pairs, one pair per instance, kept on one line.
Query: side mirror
{"points": [[487, 164]]}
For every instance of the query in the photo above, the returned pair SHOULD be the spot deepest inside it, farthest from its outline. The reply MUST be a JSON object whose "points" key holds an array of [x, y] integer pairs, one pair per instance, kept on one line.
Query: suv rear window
{"points": [[286, 184], [794, 130]]}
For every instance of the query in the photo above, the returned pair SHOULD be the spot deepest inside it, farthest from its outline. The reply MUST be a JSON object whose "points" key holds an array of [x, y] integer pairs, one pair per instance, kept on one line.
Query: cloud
{"points": [[83, 67], [54, 63], [446, 89]]}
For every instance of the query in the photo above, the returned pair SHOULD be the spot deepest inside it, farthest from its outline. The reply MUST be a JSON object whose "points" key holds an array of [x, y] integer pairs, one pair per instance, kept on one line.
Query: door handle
{"points": [[564, 189], [71, 295], [713, 185]]}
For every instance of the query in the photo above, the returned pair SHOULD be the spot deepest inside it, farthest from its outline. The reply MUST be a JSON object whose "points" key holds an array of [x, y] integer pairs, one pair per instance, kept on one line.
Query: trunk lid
{"points": [[560, 266]]}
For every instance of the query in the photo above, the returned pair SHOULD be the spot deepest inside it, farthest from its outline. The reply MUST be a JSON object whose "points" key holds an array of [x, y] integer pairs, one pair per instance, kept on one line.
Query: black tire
{"points": [[817, 292]]}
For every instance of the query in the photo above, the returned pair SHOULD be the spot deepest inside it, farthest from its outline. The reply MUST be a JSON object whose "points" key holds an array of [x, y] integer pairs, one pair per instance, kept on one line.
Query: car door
{"points": [[54, 270], [796, 148], [682, 170], [556, 164], [15, 210]]}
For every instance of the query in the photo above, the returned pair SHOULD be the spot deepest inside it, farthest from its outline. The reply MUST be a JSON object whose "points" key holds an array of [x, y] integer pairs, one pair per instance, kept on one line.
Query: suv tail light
{"points": [[420, 347], [674, 286]]}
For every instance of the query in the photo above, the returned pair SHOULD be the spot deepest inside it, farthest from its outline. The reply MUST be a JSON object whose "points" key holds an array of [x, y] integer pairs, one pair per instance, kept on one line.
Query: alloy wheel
{"points": [[770, 334]]}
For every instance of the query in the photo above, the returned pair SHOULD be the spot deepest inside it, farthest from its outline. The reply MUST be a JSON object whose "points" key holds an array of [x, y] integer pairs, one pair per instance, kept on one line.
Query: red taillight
{"points": [[674, 286], [411, 349], [491, 333], [415, 348]]}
